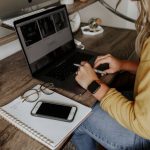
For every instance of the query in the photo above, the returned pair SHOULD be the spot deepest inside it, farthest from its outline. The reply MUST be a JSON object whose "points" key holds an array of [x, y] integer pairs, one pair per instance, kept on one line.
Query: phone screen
{"points": [[54, 110]]}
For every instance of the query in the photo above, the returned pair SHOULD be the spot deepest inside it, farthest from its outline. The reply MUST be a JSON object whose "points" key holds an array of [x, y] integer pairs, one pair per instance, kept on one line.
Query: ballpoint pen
{"points": [[96, 70]]}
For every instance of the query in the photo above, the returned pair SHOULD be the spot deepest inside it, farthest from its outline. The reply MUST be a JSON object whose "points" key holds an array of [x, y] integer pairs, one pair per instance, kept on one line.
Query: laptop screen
{"points": [[46, 37]]}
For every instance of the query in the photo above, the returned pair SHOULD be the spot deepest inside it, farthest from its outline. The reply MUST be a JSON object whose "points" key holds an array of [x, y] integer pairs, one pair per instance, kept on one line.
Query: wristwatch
{"points": [[93, 87]]}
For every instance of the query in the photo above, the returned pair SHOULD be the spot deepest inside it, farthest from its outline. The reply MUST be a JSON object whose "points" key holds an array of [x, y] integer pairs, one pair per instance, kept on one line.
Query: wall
{"points": [[9, 49], [109, 19]]}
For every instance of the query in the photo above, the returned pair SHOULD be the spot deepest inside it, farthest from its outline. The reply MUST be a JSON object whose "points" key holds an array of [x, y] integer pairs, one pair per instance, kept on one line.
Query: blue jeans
{"points": [[99, 127]]}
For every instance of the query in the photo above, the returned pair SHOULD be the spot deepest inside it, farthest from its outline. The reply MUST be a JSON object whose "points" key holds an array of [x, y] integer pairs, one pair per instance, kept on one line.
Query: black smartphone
{"points": [[54, 111]]}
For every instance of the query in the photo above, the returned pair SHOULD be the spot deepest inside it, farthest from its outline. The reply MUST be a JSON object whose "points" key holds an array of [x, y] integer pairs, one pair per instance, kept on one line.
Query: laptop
{"points": [[48, 45]]}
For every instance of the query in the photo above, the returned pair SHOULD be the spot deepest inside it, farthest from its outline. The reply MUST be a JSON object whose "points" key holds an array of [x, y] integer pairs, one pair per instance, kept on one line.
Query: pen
{"points": [[96, 70]]}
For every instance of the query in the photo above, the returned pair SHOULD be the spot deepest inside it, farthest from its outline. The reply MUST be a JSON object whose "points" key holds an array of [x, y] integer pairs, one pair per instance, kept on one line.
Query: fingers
{"points": [[83, 63], [109, 71], [85, 75], [102, 59], [84, 67]]}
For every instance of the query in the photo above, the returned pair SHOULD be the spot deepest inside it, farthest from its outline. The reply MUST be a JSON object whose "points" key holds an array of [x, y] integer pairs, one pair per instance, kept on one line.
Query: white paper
{"points": [[53, 130]]}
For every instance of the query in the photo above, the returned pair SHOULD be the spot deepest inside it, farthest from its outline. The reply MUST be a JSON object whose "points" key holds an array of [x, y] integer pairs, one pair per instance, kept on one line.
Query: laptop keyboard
{"points": [[65, 69]]}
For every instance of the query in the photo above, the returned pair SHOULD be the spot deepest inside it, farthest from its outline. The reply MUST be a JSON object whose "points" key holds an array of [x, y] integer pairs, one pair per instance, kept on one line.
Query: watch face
{"points": [[75, 21], [93, 87]]}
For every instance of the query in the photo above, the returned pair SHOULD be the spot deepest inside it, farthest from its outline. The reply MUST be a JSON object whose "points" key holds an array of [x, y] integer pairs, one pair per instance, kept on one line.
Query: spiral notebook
{"points": [[51, 133]]}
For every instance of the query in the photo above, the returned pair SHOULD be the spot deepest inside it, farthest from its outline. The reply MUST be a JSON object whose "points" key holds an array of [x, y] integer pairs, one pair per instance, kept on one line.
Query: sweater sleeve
{"points": [[134, 115]]}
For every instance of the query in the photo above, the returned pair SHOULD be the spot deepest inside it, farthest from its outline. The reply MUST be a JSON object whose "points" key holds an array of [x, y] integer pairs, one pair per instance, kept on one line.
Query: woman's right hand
{"points": [[114, 63]]}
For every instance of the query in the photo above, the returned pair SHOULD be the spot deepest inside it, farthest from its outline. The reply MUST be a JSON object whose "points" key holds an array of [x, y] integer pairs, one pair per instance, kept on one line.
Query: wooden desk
{"points": [[15, 78]]}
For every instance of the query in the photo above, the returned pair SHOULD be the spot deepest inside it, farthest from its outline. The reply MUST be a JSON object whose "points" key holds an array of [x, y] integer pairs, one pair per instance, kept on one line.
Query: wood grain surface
{"points": [[15, 78]]}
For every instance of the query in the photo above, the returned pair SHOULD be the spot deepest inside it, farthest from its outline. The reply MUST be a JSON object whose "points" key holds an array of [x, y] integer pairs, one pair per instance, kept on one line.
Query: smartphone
{"points": [[54, 111]]}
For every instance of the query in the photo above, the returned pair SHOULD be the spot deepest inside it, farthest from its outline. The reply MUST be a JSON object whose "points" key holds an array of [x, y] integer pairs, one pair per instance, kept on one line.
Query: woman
{"points": [[116, 122]]}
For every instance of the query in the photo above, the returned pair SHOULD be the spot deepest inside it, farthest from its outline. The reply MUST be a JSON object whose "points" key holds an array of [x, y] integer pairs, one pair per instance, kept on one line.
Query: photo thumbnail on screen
{"points": [[60, 20], [31, 33], [46, 26]]}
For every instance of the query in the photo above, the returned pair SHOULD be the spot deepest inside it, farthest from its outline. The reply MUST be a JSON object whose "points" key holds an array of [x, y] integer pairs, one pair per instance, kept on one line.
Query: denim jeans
{"points": [[101, 128]]}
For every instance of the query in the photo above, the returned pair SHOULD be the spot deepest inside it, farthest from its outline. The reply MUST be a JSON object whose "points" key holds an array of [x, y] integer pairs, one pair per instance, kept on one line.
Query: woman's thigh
{"points": [[109, 133]]}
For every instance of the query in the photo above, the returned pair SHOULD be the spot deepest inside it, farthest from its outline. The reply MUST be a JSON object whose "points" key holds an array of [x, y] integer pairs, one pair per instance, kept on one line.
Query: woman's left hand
{"points": [[85, 75]]}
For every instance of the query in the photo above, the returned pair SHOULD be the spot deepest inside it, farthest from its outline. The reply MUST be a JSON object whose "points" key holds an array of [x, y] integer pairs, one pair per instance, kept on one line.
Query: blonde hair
{"points": [[142, 24]]}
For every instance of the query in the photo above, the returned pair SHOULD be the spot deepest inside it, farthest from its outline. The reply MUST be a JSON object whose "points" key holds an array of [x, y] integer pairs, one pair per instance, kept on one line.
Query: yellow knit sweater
{"points": [[134, 115]]}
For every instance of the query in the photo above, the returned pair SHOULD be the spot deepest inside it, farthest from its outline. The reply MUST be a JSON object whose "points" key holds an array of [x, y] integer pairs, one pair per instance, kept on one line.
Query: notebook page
{"points": [[53, 130]]}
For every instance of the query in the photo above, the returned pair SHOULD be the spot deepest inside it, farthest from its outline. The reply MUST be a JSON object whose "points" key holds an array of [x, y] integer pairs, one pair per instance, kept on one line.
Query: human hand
{"points": [[114, 63], [85, 75]]}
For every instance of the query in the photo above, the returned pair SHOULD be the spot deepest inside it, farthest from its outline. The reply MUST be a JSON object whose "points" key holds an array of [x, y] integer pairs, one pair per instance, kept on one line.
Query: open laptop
{"points": [[49, 48]]}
